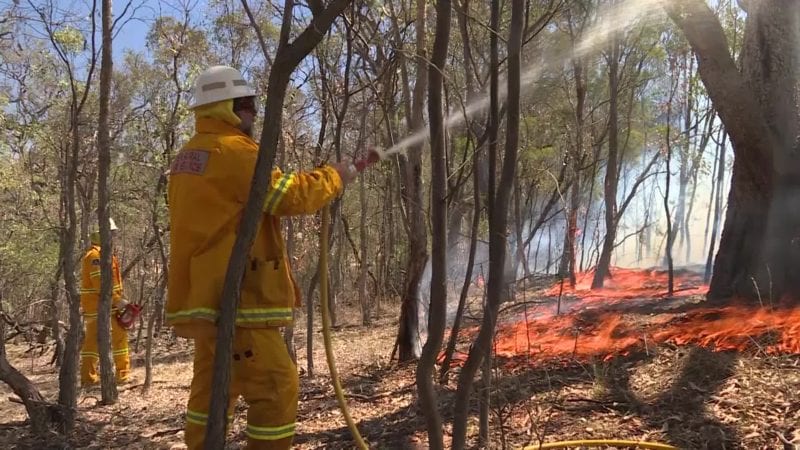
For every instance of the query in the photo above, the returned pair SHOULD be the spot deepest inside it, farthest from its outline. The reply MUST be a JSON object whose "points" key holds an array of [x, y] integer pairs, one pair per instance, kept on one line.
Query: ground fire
{"points": [[633, 313]]}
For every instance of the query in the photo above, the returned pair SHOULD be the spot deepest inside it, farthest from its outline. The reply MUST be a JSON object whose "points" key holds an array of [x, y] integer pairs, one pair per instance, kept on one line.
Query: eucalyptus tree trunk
{"points": [[108, 385], [407, 343], [758, 251], [438, 294]]}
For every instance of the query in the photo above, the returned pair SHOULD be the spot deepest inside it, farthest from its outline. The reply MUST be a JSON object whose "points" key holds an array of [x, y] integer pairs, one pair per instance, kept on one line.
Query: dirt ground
{"points": [[689, 397]]}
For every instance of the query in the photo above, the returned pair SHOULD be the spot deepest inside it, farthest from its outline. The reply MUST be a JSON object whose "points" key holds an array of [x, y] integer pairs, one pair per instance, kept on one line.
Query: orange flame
{"points": [[590, 329], [630, 284]]}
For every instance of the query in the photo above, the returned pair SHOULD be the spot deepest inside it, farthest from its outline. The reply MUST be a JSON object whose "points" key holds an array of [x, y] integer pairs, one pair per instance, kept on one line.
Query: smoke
{"points": [[641, 236], [457, 259]]}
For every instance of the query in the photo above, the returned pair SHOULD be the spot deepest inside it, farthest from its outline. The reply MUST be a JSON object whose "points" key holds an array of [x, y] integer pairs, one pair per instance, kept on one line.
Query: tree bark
{"points": [[438, 289], [667, 184], [108, 386], [39, 411], [520, 242], [758, 248], [612, 176], [55, 315], [68, 222], [151, 332], [366, 318], [411, 191], [567, 264]]}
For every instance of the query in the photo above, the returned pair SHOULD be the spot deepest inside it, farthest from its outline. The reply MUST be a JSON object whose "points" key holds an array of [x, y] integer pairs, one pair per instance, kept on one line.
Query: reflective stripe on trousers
{"points": [[263, 373], [90, 356]]}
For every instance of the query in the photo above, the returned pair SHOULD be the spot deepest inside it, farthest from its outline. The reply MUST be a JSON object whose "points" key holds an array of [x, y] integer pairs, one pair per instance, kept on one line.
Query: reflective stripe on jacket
{"points": [[209, 182], [90, 281]]}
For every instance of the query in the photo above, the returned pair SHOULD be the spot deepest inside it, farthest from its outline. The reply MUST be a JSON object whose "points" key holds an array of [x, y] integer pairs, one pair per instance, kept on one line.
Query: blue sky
{"points": [[132, 35]]}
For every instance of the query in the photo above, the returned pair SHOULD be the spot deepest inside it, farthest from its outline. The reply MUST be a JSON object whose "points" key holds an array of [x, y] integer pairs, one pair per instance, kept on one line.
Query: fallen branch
{"points": [[589, 400], [365, 398], [787, 444], [155, 434]]}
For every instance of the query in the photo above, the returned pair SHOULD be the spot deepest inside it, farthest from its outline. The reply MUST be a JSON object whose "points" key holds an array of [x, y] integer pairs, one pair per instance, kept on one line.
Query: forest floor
{"points": [[685, 395]]}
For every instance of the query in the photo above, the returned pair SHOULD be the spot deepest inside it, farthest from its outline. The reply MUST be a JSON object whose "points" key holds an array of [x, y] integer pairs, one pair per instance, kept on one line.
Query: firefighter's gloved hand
{"points": [[347, 171], [121, 304]]}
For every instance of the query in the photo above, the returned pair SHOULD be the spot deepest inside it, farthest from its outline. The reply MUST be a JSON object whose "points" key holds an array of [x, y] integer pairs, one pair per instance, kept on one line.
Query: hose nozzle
{"points": [[374, 155]]}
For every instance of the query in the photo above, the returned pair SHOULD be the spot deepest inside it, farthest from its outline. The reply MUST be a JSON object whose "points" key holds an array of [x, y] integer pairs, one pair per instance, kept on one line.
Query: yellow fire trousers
{"points": [[90, 357], [263, 373]]}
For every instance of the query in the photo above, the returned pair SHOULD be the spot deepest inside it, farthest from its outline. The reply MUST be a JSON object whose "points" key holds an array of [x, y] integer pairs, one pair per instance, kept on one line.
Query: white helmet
{"points": [[219, 83], [111, 225]]}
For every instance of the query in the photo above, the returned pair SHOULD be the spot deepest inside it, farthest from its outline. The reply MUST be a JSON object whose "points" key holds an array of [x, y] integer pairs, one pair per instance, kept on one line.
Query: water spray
{"points": [[614, 20]]}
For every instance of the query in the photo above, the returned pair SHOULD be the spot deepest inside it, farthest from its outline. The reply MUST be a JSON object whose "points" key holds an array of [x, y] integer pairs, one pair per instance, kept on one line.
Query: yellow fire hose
{"points": [[599, 442], [326, 328]]}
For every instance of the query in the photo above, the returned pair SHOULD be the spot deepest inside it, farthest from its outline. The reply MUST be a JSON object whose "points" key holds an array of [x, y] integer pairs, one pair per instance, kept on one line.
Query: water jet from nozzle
{"points": [[610, 22]]}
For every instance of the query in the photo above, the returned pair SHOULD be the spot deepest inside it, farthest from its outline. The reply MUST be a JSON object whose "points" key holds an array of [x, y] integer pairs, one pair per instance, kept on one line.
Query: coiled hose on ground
{"points": [[601, 442]]}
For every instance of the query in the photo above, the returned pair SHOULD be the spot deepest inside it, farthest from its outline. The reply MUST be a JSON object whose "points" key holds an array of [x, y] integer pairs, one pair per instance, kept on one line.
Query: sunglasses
{"points": [[245, 104]]}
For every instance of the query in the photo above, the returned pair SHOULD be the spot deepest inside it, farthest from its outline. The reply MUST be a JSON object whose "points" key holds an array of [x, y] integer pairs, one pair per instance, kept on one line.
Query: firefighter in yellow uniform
{"points": [[209, 183], [90, 298]]}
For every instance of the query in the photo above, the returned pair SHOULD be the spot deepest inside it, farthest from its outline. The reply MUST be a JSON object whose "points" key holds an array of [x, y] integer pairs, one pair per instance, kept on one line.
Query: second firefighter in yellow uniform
{"points": [[90, 298]]}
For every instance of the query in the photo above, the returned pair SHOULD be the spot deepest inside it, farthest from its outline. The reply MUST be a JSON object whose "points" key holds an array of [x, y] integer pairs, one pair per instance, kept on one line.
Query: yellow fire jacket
{"points": [[209, 182], [90, 281]]}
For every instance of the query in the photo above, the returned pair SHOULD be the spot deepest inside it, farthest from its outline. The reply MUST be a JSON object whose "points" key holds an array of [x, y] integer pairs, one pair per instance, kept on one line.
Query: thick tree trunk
{"points": [[759, 246], [771, 66]]}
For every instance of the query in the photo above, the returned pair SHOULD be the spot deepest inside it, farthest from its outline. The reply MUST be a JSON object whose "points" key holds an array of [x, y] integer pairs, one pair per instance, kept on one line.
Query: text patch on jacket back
{"points": [[192, 162]]}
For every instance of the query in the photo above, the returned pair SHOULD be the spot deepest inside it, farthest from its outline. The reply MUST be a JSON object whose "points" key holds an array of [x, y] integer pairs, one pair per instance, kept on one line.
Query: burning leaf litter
{"points": [[634, 313]]}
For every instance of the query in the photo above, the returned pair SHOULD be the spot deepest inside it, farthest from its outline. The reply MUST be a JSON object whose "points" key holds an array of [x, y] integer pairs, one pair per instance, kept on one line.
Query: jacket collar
{"points": [[215, 126]]}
